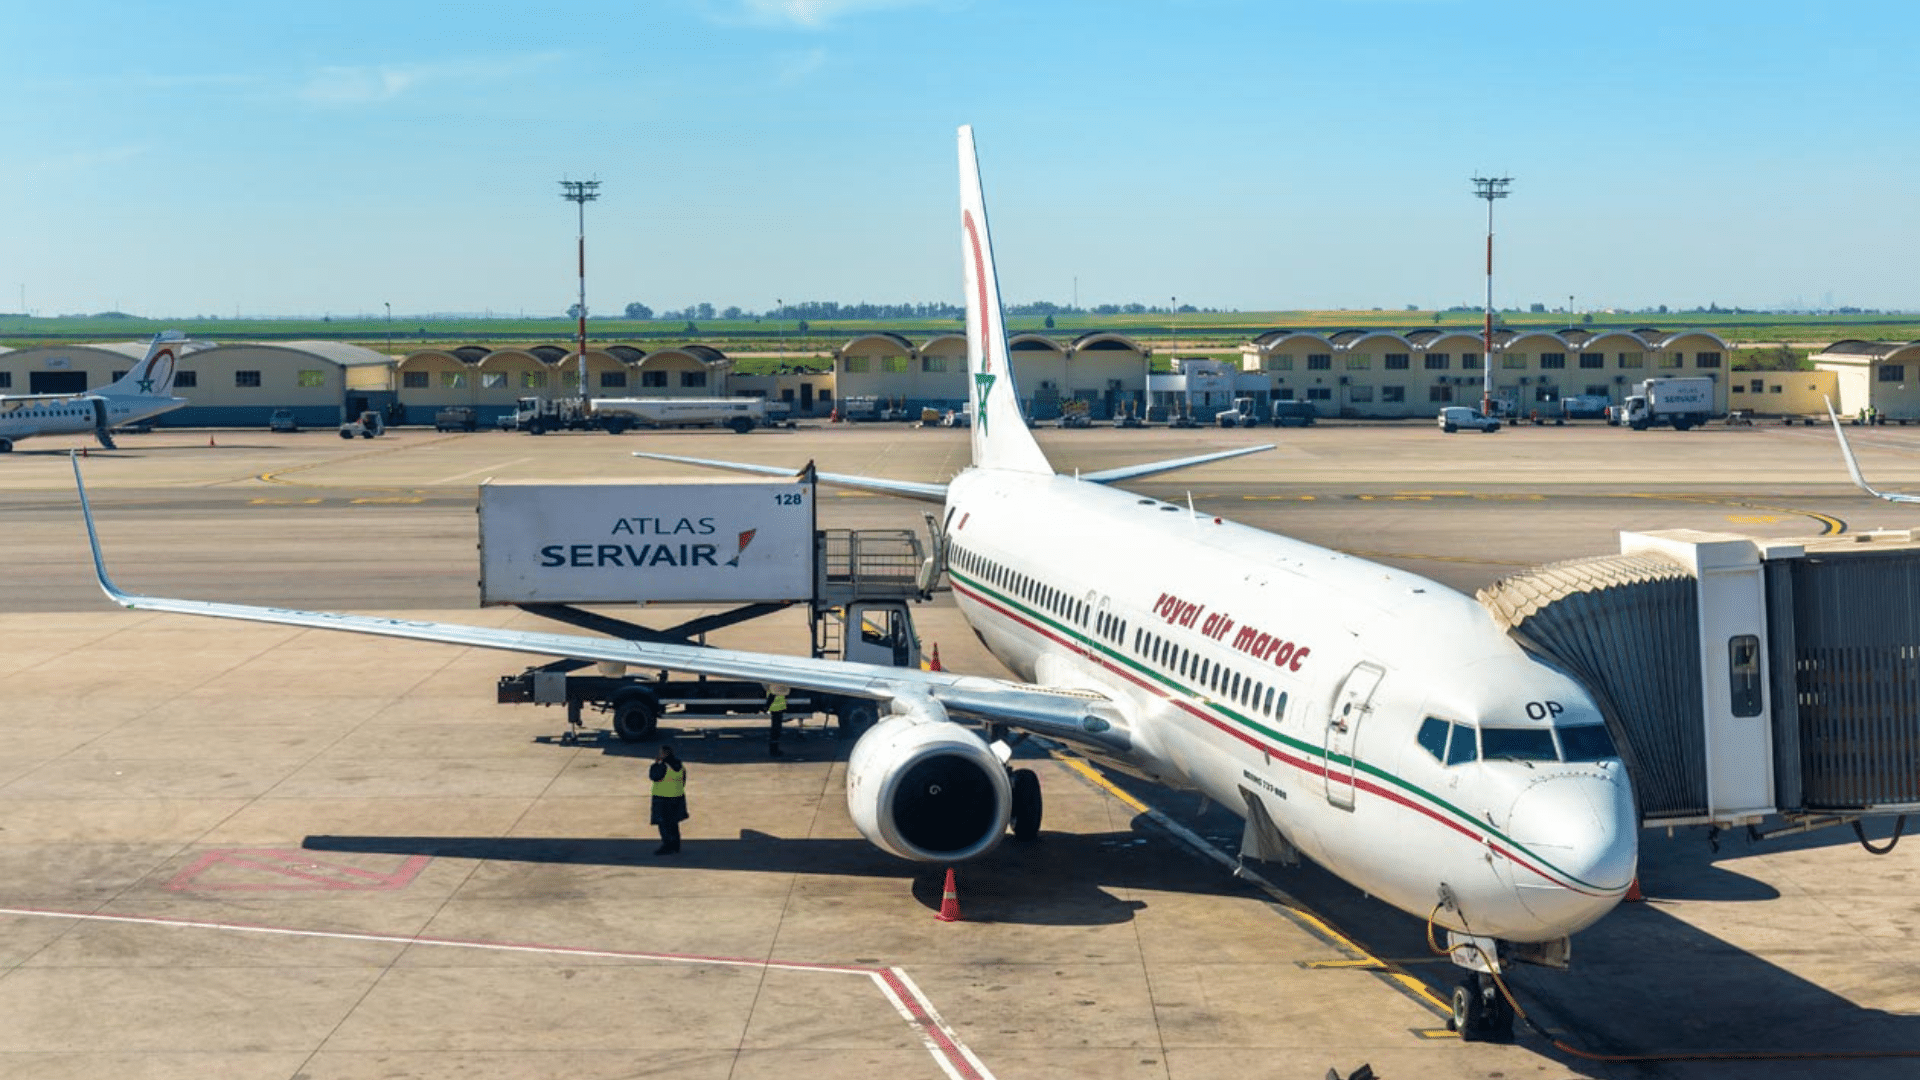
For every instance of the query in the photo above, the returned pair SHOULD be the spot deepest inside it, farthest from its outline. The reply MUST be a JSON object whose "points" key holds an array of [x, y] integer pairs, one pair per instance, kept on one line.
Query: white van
{"points": [[1459, 417]]}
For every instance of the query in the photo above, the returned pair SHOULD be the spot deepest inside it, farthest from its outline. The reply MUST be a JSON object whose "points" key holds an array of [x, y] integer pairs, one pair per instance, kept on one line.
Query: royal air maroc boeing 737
{"points": [[1377, 722], [142, 393]]}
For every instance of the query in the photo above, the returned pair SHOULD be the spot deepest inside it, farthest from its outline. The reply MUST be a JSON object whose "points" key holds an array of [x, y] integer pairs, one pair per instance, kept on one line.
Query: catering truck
{"points": [[550, 548], [1680, 403], [538, 415]]}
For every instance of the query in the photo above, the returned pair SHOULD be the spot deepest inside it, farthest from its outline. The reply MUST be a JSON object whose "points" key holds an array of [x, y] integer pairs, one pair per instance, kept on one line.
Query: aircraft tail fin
{"points": [[153, 375], [1001, 438]]}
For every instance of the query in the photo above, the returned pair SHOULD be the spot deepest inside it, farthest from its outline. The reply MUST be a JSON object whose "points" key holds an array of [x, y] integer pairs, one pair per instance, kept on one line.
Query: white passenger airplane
{"points": [[142, 393], [1375, 721], [1853, 467]]}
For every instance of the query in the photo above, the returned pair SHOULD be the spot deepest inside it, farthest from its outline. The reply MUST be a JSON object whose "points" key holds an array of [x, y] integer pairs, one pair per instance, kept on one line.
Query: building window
{"points": [[1320, 362], [856, 365], [933, 364], [311, 379], [893, 365], [453, 380], [1280, 362], [1514, 360], [1439, 361], [1440, 392], [1736, 388], [188, 379], [493, 380], [1632, 359], [6, 380], [1593, 360], [1892, 372], [1284, 393], [657, 379], [1360, 394], [246, 378], [613, 380], [116, 376], [1396, 361], [1553, 361], [1393, 395], [1671, 360], [1706, 359], [1756, 385], [1471, 362], [693, 378], [1359, 362], [533, 380], [1319, 393]]}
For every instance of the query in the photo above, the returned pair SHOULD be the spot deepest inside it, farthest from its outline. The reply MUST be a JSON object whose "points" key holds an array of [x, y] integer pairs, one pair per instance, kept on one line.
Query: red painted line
{"points": [[297, 865], [1311, 769]]}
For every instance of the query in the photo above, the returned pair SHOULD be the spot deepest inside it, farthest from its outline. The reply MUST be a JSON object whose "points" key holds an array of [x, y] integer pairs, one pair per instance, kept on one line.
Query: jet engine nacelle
{"points": [[928, 789]]}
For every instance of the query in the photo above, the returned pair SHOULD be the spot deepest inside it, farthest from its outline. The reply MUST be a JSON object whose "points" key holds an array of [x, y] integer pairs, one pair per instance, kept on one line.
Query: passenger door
{"points": [[1350, 707]]}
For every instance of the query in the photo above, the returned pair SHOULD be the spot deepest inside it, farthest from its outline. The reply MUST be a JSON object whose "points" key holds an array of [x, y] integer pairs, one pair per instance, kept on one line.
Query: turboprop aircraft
{"points": [[142, 393], [1370, 719], [1853, 467]]}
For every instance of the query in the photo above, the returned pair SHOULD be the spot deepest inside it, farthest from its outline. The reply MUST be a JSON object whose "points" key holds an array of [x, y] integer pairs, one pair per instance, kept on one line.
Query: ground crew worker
{"points": [[776, 715], [669, 778]]}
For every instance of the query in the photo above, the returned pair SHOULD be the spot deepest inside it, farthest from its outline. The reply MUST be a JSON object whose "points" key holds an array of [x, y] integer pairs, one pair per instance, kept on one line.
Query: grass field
{"points": [[1205, 333]]}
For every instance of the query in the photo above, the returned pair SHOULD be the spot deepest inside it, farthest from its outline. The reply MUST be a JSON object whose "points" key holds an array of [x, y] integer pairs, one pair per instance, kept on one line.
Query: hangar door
{"points": [[56, 382]]}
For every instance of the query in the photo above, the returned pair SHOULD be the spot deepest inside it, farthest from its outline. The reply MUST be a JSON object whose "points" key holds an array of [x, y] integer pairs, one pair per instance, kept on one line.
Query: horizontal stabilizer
{"points": [[906, 489]]}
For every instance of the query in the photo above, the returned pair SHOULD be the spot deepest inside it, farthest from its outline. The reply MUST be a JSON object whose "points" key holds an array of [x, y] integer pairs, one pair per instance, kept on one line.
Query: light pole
{"points": [[1489, 188], [580, 193], [779, 316], [389, 329]]}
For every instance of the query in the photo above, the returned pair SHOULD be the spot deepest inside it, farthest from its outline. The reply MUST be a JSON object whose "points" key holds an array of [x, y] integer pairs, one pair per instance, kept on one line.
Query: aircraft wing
{"points": [[1081, 718], [1154, 468], [1853, 467]]}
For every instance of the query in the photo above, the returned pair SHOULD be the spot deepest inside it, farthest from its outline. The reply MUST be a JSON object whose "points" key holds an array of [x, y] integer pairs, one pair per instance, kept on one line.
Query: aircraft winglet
{"points": [[1853, 466]]}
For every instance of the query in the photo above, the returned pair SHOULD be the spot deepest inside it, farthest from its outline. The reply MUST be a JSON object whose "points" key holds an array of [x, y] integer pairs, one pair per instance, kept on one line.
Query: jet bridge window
{"points": [[1743, 667], [1518, 744]]}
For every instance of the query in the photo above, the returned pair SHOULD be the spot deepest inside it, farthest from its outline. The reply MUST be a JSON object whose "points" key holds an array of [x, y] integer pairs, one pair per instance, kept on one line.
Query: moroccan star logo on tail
{"points": [[983, 385]]}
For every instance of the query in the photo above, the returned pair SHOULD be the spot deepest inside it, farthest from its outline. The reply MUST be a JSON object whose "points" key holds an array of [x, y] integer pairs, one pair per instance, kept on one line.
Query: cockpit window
{"points": [[1463, 748], [1517, 744], [1587, 742], [1433, 737]]}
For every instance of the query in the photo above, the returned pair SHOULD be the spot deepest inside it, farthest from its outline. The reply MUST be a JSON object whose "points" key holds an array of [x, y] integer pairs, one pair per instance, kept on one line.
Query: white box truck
{"points": [[537, 416], [1679, 403]]}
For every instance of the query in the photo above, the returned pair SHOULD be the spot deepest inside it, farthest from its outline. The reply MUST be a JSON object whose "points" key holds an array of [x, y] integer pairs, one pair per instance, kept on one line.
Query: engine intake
{"points": [[928, 790]]}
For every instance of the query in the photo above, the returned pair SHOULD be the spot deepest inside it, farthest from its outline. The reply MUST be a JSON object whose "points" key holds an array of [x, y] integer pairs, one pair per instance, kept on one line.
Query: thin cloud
{"points": [[796, 68], [343, 87], [814, 14]]}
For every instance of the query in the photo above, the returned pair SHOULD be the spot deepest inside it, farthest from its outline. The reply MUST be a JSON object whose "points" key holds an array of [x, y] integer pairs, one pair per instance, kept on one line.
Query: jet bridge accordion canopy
{"points": [[1840, 727]]}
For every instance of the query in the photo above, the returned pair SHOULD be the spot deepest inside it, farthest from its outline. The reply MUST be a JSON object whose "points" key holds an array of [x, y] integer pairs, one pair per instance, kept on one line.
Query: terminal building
{"points": [[1374, 374]]}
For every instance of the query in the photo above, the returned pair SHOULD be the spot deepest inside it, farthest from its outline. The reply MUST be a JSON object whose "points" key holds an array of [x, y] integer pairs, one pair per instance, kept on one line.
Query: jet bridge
{"points": [[1743, 677]]}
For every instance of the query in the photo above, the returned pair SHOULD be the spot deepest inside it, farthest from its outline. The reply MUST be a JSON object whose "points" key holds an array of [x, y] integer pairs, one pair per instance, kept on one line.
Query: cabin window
{"points": [[1587, 742], [1462, 748], [1433, 737], [1517, 744]]}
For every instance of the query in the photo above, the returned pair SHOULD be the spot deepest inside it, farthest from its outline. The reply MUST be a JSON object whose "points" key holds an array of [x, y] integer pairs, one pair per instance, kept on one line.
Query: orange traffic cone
{"points": [[1633, 892], [935, 665], [210, 441], [949, 901]]}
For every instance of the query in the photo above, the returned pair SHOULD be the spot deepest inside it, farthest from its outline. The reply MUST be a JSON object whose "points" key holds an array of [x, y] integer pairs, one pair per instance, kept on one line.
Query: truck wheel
{"points": [[345, 434], [636, 716], [1682, 425], [740, 425], [1449, 428], [536, 427], [617, 427], [1027, 805], [856, 717]]}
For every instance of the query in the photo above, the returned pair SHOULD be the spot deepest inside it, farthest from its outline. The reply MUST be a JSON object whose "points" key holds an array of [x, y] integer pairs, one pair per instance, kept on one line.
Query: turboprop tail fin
{"points": [[153, 375]]}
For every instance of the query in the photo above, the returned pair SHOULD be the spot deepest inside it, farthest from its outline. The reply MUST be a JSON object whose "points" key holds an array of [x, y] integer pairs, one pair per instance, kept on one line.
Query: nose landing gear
{"points": [[1481, 1013]]}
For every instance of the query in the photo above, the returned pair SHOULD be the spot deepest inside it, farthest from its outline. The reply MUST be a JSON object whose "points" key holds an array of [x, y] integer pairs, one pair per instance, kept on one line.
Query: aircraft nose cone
{"points": [[1579, 836]]}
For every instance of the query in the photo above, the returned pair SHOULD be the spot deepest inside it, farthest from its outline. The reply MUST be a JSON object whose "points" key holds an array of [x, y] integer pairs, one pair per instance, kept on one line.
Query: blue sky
{"points": [[276, 159]]}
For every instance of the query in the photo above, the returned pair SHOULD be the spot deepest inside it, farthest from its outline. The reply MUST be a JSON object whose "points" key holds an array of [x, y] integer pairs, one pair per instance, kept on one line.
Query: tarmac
{"points": [[248, 851]]}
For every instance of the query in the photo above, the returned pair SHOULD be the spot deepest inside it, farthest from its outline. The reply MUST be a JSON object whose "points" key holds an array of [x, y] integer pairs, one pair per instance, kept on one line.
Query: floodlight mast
{"points": [[1489, 188], [580, 193]]}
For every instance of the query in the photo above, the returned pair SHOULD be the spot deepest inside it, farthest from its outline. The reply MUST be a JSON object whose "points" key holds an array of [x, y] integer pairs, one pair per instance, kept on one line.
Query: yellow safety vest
{"points": [[671, 786], [779, 703]]}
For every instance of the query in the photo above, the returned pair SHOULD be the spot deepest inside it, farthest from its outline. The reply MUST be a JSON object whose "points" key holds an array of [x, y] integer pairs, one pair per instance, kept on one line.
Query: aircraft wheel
{"points": [[1469, 1015], [636, 716], [1481, 1012], [1027, 805], [855, 717]]}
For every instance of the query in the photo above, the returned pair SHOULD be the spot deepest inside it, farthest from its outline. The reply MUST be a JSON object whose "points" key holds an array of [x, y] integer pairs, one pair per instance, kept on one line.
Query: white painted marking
{"points": [[471, 472], [952, 1055]]}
